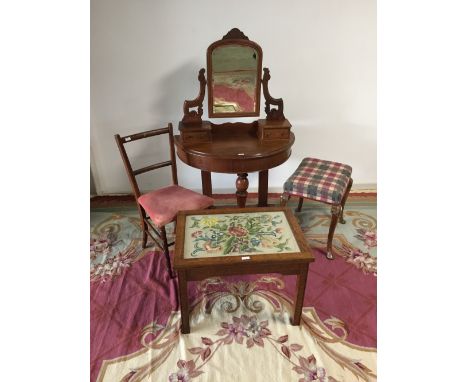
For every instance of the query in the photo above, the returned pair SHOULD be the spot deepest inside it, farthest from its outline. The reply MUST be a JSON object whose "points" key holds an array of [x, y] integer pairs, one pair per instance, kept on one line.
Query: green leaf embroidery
{"points": [[228, 246]]}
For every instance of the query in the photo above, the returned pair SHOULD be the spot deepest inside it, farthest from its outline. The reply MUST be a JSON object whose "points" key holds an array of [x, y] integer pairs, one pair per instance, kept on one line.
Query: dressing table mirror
{"points": [[234, 78], [234, 72]]}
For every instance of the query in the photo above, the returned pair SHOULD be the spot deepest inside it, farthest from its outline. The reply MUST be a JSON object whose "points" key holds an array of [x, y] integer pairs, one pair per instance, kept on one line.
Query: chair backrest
{"points": [[121, 141]]}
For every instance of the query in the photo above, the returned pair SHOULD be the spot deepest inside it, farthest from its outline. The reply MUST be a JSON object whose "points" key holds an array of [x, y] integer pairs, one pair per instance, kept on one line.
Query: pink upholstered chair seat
{"points": [[162, 205]]}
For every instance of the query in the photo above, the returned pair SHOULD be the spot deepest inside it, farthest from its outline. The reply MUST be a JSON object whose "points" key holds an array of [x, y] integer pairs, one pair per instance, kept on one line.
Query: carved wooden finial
{"points": [[235, 34]]}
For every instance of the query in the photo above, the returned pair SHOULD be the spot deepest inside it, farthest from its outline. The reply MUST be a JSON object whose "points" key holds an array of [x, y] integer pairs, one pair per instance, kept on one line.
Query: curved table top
{"points": [[234, 148]]}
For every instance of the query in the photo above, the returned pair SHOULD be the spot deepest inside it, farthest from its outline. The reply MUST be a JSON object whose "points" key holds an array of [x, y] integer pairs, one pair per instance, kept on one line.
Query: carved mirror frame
{"points": [[234, 37]]}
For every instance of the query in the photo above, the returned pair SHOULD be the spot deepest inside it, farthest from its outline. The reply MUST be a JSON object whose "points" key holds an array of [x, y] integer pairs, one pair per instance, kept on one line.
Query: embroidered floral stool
{"points": [[323, 181], [240, 241]]}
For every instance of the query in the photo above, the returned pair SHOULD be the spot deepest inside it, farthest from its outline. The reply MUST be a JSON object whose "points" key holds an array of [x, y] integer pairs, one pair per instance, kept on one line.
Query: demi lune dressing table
{"points": [[234, 70]]}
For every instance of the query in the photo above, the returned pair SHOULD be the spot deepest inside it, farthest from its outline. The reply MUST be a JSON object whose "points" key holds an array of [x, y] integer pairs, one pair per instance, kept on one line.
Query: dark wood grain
{"points": [[236, 149], [192, 116], [235, 34], [300, 291], [206, 183], [242, 184], [263, 188], [272, 114], [183, 301]]}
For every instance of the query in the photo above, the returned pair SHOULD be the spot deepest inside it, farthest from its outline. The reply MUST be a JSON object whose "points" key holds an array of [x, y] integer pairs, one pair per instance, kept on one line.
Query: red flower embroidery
{"points": [[237, 231]]}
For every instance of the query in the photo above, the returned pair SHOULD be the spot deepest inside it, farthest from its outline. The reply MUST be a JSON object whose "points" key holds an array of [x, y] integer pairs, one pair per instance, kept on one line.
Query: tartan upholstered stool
{"points": [[323, 181]]}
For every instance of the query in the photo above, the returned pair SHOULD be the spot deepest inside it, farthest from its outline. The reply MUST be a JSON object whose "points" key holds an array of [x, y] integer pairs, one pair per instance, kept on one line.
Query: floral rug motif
{"points": [[115, 244], [240, 326], [355, 241], [234, 338]]}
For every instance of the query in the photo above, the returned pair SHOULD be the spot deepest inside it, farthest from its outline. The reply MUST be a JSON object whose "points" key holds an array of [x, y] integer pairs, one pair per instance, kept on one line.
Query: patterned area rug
{"points": [[240, 327]]}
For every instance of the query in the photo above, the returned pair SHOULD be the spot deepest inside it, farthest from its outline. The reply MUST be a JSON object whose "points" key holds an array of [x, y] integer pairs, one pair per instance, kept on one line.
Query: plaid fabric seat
{"points": [[320, 180]]}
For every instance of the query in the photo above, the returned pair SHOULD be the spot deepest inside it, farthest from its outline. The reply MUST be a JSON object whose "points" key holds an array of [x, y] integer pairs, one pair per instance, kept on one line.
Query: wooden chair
{"points": [[323, 181], [159, 207]]}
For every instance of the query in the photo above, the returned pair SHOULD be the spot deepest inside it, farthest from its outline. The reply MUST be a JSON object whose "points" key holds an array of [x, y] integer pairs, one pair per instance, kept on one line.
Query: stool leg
{"points": [[183, 301], [299, 205], [284, 199], [144, 227], [301, 282], [336, 211], [166, 251], [343, 201]]}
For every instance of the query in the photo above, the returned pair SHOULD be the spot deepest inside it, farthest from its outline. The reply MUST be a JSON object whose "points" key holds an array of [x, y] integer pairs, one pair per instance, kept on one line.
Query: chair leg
{"points": [[166, 251], [144, 228], [284, 199], [343, 201], [336, 211], [299, 205]]}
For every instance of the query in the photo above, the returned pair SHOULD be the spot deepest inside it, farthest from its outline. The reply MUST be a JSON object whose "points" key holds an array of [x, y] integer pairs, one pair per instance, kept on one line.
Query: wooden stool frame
{"points": [[336, 212], [201, 268]]}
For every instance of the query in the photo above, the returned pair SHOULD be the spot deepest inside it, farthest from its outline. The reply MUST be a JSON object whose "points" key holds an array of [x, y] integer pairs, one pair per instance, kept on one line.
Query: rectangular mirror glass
{"points": [[234, 79]]}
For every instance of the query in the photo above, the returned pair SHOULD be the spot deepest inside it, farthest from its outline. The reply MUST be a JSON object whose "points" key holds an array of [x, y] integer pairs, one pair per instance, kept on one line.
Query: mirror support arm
{"points": [[194, 117], [272, 114]]}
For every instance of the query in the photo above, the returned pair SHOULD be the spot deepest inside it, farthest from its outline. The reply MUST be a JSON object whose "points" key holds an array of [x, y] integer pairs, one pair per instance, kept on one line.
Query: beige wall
{"points": [[145, 56]]}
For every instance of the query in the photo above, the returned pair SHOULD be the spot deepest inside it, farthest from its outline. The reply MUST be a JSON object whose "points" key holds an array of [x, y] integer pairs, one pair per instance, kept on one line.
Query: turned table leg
{"points": [[242, 183], [183, 301], [300, 291]]}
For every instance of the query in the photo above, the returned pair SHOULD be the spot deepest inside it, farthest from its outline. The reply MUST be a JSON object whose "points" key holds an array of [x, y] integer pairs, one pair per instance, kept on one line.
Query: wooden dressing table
{"points": [[234, 70]]}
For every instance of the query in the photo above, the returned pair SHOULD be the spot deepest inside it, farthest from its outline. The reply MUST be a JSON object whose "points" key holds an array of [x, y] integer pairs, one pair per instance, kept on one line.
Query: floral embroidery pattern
{"points": [[256, 334], [231, 234]]}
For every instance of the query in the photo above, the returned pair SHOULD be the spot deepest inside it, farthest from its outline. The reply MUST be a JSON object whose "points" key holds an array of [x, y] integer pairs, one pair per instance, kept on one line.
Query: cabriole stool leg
{"points": [[343, 201]]}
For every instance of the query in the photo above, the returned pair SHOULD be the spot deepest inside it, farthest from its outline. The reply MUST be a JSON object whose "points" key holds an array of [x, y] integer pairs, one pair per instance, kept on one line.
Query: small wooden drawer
{"points": [[276, 130], [276, 134], [195, 136], [195, 133]]}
